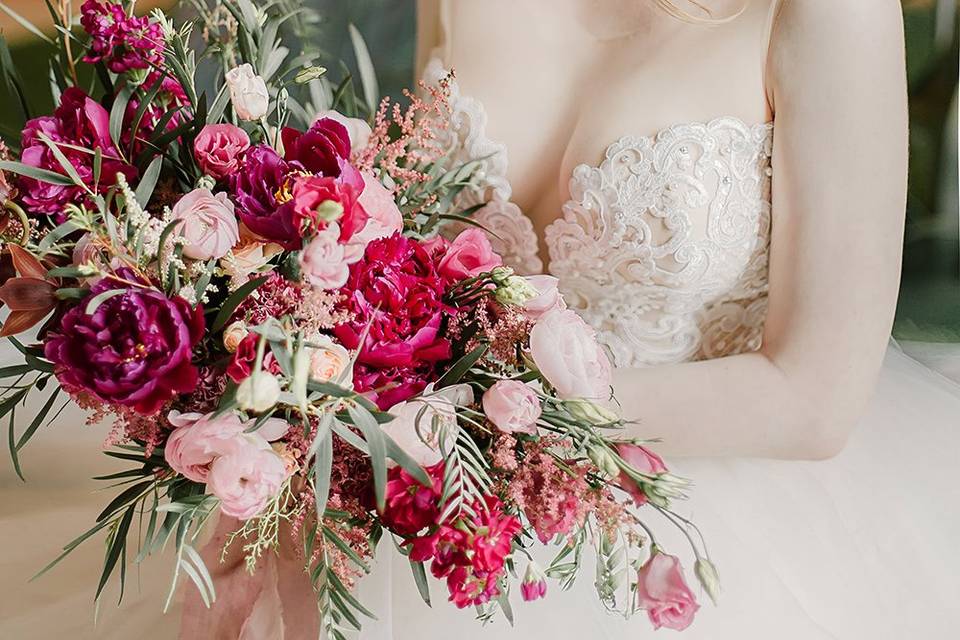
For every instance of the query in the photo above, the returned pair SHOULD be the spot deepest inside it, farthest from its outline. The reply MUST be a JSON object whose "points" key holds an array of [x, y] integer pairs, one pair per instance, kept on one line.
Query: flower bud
{"points": [[707, 575], [534, 585], [259, 392], [515, 290], [329, 211], [501, 274], [605, 462], [590, 412]]}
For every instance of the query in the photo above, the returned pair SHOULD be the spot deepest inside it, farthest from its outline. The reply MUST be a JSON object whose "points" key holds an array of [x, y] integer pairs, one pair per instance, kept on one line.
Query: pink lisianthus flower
{"points": [[568, 356], [664, 594], [534, 585], [644, 461], [246, 480], [208, 224], [218, 149], [512, 406], [383, 217], [469, 255], [320, 200]]}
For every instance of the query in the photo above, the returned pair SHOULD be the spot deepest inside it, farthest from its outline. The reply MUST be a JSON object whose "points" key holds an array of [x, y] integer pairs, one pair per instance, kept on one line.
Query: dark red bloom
{"points": [[79, 122], [261, 191], [241, 365], [323, 149], [396, 291], [134, 350]]}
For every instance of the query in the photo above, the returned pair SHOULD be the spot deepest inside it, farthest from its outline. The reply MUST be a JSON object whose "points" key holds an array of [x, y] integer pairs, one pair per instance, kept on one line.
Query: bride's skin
{"points": [[563, 79]]}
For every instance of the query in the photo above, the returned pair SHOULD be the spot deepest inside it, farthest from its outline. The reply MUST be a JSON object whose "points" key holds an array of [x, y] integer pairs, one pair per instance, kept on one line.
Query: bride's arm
{"points": [[839, 188]]}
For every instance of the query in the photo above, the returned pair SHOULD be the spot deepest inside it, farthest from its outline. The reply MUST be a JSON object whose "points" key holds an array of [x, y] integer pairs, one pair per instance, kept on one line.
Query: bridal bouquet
{"points": [[250, 282]]}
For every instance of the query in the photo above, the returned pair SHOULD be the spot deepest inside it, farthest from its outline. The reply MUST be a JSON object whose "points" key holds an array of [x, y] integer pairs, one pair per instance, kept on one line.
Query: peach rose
{"points": [[469, 254], [663, 593], [209, 225], [329, 361], [566, 352], [512, 406], [245, 260]]}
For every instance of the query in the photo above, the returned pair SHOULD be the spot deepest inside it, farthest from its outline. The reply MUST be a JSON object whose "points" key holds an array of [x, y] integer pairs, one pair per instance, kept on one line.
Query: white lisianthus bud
{"points": [[516, 291], [248, 93], [233, 335], [605, 462], [707, 575], [206, 182], [501, 274], [590, 412], [259, 392]]}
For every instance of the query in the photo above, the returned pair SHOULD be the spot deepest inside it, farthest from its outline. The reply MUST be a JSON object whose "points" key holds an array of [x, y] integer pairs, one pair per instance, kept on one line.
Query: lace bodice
{"points": [[663, 247]]}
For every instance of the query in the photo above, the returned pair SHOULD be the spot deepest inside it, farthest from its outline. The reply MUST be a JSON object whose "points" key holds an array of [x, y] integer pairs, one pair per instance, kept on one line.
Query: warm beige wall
{"points": [[36, 12]]}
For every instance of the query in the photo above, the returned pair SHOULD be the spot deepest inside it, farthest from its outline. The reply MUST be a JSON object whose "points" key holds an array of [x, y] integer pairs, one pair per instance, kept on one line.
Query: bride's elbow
{"points": [[825, 434]]}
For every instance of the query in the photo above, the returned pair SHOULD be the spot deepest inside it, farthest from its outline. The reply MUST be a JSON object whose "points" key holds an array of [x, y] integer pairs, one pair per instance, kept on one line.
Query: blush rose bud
{"points": [[248, 93], [259, 392], [534, 585], [233, 335]]}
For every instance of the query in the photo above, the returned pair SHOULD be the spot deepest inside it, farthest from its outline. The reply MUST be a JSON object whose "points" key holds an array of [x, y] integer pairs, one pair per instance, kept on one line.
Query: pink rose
{"points": [[324, 262], [512, 406], [566, 351], [436, 247], [358, 130], [218, 149], [469, 254], [246, 480], [383, 217], [197, 441], [209, 224], [644, 461], [548, 297], [662, 591]]}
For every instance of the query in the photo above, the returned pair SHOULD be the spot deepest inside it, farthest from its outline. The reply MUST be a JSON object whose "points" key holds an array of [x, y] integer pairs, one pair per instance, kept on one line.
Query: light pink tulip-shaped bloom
{"points": [[663, 593]]}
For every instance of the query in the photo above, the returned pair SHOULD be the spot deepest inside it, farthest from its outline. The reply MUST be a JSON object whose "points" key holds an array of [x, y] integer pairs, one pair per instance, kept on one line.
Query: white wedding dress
{"points": [[663, 248]]}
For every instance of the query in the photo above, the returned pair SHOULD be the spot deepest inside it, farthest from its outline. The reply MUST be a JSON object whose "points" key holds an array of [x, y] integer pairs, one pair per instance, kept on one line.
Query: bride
{"points": [[730, 182], [719, 188]]}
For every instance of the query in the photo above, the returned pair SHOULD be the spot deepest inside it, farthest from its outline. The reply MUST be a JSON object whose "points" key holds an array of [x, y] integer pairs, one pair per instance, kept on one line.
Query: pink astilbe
{"points": [[403, 156], [275, 298]]}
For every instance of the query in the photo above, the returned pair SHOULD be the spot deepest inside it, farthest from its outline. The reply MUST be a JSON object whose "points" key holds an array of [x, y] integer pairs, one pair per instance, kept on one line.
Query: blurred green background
{"points": [[929, 307]]}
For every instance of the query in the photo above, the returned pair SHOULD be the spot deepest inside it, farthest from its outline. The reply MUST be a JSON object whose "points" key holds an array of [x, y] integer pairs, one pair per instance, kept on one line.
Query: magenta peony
{"points": [[395, 289], [79, 121], [134, 350]]}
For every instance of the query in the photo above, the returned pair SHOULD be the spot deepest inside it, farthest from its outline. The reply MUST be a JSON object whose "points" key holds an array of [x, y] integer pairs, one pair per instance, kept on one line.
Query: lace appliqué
{"points": [[663, 247]]}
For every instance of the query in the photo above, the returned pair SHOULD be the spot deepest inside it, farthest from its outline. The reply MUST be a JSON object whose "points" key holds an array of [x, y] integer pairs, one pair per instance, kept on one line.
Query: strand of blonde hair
{"points": [[672, 9]]}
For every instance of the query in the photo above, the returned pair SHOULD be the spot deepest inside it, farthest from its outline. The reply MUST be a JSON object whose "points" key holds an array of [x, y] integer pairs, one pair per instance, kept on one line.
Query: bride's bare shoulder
{"points": [[855, 22]]}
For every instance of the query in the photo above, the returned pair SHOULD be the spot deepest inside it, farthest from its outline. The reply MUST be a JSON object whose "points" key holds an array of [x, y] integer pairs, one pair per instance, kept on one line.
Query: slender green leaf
{"points": [[99, 299], [118, 544], [233, 301], [368, 77], [378, 449], [457, 371], [420, 578], [119, 110], [43, 175], [149, 181]]}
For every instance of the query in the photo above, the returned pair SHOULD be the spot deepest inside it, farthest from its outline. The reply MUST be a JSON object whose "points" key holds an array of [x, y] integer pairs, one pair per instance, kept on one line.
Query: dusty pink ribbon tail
{"points": [[274, 603]]}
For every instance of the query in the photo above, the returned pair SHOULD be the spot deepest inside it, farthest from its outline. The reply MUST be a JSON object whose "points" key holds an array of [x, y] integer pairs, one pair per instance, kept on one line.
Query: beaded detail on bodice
{"points": [[663, 247]]}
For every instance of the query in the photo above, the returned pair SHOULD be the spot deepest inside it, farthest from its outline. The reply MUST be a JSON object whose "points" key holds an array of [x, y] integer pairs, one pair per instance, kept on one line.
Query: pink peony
{"points": [[548, 297], [218, 149], [246, 480], [663, 593], [567, 354], [470, 254], [324, 263], [644, 461], [512, 406], [209, 225]]}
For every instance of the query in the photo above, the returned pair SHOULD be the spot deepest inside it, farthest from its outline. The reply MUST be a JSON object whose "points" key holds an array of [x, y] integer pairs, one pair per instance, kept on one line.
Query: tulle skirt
{"points": [[863, 546]]}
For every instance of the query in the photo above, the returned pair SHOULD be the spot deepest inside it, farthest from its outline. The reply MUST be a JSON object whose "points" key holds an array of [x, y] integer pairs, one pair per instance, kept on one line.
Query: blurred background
{"points": [[929, 307]]}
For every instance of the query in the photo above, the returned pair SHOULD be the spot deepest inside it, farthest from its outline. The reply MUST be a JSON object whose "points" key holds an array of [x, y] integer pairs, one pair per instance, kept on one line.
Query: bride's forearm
{"points": [[742, 405]]}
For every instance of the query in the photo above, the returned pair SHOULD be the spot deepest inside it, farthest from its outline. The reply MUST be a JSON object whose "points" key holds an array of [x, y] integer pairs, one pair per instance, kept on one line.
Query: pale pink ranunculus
{"points": [[198, 440], [436, 428], [548, 296], [358, 130], [218, 149], [248, 93], [208, 224], [324, 262], [566, 352], [663, 593], [469, 254], [644, 461], [512, 406], [246, 480], [383, 216]]}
